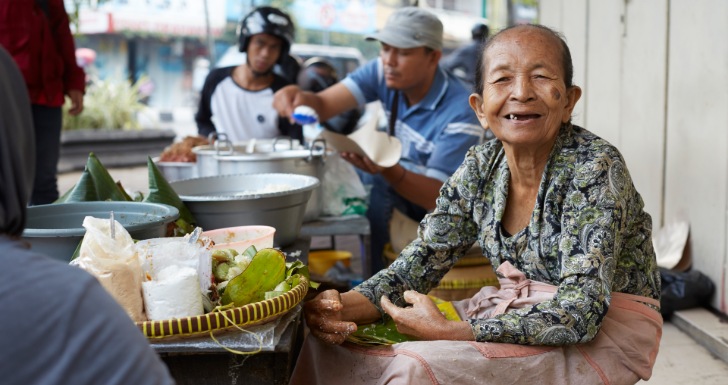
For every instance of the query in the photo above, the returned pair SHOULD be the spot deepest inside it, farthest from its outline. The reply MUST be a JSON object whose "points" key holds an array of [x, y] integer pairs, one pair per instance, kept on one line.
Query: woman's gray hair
{"points": [[566, 62]]}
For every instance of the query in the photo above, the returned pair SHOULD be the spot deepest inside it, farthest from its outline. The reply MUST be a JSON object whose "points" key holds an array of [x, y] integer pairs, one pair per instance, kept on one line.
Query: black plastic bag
{"points": [[684, 290]]}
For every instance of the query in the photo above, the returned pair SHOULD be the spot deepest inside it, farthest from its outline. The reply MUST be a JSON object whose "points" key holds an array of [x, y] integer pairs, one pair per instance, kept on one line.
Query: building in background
{"points": [[157, 41], [165, 41]]}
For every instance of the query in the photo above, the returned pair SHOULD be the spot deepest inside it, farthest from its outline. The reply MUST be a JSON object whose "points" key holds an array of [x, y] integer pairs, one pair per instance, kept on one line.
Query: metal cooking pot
{"points": [[308, 162], [207, 163]]}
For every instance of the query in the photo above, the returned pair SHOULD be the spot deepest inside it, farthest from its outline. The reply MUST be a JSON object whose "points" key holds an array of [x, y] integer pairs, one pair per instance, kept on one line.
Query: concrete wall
{"points": [[655, 80]]}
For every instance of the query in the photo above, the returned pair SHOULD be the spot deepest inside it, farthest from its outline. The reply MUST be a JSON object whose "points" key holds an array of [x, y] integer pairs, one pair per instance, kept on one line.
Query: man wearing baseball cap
{"points": [[428, 112]]}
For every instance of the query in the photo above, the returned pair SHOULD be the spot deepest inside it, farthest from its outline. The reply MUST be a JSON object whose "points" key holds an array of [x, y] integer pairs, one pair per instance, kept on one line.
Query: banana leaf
{"points": [[385, 333], [298, 267], [263, 274], [95, 184], [160, 191]]}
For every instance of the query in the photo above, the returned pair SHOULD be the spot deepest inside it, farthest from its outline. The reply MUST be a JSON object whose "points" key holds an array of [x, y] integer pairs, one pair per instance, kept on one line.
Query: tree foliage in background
{"points": [[74, 10]]}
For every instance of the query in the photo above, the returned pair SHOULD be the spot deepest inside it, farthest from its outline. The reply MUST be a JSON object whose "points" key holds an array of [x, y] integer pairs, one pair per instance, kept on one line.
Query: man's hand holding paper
{"points": [[382, 150]]}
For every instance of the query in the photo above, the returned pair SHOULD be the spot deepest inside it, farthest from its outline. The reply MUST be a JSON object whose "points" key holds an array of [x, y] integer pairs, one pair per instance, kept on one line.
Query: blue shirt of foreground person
{"points": [[433, 121], [57, 325]]}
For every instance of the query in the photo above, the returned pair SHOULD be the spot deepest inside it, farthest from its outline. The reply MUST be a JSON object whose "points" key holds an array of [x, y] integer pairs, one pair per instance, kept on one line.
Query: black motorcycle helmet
{"points": [[479, 31], [268, 20], [317, 74]]}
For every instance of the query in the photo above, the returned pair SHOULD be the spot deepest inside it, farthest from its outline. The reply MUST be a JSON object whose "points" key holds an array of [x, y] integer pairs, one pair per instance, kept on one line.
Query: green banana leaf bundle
{"points": [[385, 333], [265, 276], [160, 191], [96, 184]]}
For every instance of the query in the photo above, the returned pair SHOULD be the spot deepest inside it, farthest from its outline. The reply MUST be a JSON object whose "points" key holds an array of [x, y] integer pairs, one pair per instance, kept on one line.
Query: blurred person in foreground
{"points": [[59, 325], [427, 111], [238, 100], [462, 61], [38, 37], [554, 209]]}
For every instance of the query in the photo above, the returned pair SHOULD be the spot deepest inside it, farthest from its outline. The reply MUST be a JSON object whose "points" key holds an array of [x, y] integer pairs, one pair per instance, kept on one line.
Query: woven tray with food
{"points": [[190, 282], [185, 286]]}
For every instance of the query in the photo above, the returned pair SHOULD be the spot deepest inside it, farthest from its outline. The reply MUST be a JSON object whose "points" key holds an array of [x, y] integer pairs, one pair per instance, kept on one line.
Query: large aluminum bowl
{"points": [[280, 155], [57, 229], [245, 199]]}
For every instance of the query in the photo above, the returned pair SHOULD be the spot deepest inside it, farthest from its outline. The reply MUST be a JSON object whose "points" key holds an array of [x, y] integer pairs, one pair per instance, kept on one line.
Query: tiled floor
{"points": [[682, 360]]}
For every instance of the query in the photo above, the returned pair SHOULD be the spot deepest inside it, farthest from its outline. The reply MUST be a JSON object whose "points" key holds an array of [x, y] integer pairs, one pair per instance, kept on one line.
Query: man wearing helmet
{"points": [[427, 113], [237, 100], [318, 74]]}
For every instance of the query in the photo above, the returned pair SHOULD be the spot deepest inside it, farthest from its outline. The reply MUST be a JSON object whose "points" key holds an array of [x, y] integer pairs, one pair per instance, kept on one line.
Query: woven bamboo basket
{"points": [[243, 316]]}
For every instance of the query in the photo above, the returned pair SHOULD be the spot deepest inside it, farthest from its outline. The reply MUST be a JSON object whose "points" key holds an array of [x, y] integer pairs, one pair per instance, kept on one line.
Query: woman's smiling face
{"points": [[525, 99]]}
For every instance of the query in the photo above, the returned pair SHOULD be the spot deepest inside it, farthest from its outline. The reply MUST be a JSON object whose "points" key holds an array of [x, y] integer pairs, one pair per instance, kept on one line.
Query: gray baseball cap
{"points": [[411, 27]]}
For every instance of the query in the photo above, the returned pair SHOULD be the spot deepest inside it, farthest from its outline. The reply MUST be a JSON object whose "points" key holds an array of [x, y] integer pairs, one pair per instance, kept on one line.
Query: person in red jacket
{"points": [[38, 37]]}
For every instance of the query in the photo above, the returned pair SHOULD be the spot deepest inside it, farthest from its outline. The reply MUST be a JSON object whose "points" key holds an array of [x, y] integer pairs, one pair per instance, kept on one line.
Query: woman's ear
{"points": [[573, 94], [476, 103]]}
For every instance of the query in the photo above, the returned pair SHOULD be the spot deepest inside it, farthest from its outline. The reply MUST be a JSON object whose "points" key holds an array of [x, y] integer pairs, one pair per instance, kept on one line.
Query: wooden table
{"points": [[201, 361], [352, 225]]}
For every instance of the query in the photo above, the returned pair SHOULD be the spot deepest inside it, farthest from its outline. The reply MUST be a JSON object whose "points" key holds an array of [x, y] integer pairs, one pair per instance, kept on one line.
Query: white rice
{"points": [[271, 188]]}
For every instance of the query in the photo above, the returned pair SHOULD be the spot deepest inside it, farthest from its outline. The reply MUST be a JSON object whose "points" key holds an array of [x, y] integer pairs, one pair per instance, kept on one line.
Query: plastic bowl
{"points": [[57, 229], [241, 237]]}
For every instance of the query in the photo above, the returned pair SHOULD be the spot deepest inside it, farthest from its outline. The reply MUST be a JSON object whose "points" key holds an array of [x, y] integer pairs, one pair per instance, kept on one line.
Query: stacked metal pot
{"points": [[281, 155]]}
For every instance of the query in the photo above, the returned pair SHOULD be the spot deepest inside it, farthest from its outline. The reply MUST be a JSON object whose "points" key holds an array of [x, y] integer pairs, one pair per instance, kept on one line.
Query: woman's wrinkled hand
{"points": [[424, 320], [323, 316]]}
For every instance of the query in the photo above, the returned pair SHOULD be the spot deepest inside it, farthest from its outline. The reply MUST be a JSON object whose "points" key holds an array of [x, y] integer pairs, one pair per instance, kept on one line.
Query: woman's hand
{"points": [[423, 320], [324, 318]]}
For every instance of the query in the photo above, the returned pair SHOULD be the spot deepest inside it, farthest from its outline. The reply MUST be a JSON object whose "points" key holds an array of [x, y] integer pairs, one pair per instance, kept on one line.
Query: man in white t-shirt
{"points": [[238, 100]]}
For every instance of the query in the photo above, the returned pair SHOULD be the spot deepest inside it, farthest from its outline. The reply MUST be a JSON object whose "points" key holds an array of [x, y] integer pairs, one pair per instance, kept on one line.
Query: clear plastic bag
{"points": [[342, 191], [113, 261]]}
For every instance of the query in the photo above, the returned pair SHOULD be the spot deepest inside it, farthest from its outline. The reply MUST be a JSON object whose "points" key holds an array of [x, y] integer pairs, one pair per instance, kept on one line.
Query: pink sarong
{"points": [[623, 352]]}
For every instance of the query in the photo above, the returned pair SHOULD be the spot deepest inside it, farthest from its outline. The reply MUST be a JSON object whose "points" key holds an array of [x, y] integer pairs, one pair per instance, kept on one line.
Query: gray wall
{"points": [[655, 81]]}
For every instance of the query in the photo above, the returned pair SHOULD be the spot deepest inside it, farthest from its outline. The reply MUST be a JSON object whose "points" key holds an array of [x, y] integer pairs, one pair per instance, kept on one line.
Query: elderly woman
{"points": [[554, 209]]}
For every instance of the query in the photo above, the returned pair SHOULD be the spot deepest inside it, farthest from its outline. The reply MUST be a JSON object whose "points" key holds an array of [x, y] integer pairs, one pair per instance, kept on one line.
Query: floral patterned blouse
{"points": [[588, 235]]}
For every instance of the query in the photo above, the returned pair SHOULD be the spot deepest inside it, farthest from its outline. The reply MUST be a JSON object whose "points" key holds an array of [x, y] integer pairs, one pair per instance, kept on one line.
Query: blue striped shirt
{"points": [[436, 132]]}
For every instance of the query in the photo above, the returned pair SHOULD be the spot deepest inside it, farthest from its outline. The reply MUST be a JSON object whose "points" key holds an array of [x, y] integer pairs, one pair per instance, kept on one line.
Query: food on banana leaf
{"points": [[182, 151], [228, 264], [255, 275], [297, 267], [265, 271], [385, 333]]}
